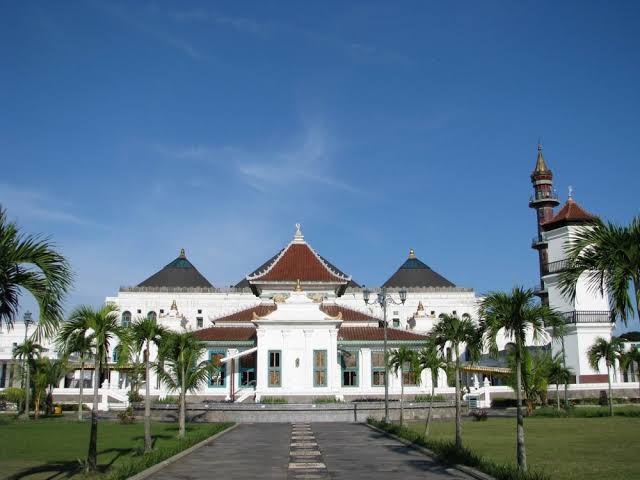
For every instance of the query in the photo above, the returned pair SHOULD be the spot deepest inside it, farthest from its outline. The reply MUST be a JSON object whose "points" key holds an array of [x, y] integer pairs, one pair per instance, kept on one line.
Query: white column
{"points": [[262, 364], [307, 361], [333, 370], [365, 369]]}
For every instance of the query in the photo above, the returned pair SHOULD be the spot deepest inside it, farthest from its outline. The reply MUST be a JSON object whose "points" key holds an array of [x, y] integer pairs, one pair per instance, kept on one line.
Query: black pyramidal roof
{"points": [[414, 273], [179, 273]]}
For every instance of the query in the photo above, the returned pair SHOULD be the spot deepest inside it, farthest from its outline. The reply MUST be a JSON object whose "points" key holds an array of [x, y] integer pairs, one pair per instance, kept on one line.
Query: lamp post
{"points": [[383, 299], [27, 318]]}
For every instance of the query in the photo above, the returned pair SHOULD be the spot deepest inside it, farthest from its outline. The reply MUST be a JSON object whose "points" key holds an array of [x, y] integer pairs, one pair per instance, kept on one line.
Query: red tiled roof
{"points": [[348, 315], [226, 334], [298, 262], [570, 212], [377, 334], [247, 315]]}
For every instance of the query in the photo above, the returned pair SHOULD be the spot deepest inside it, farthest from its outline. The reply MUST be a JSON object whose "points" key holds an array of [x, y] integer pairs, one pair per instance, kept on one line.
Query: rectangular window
{"points": [[349, 362], [396, 323], [248, 370], [408, 375], [199, 311], [275, 368], [319, 368], [377, 369], [199, 322], [219, 374]]}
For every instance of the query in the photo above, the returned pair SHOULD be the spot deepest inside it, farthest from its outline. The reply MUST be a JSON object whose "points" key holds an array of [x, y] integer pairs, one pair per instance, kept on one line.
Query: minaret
{"points": [[543, 201]]}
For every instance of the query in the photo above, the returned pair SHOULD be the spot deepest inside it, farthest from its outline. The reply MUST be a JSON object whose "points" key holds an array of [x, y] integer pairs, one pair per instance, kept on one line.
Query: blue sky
{"points": [[131, 129]]}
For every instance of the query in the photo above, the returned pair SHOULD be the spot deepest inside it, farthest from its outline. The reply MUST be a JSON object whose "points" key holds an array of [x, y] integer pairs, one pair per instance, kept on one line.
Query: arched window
{"points": [[152, 315], [126, 318]]}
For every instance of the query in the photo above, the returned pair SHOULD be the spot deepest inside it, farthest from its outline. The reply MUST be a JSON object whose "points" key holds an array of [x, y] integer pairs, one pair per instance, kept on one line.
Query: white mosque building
{"points": [[298, 327]]}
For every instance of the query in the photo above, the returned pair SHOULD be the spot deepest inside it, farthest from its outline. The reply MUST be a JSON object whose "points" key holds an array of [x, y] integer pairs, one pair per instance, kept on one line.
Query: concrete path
{"points": [[305, 451]]}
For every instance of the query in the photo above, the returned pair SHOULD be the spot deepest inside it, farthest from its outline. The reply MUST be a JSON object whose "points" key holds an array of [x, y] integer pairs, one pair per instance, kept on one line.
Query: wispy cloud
{"points": [[310, 160], [29, 203], [142, 23]]}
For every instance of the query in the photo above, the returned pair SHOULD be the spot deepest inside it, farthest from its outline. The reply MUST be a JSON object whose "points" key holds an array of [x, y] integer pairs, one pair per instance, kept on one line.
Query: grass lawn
{"points": [[565, 448], [50, 448]]}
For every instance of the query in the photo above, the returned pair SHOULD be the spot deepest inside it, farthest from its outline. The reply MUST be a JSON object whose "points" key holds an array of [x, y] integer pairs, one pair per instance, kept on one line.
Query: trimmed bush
{"points": [[427, 398], [503, 402], [479, 415], [272, 400], [586, 412], [327, 400]]}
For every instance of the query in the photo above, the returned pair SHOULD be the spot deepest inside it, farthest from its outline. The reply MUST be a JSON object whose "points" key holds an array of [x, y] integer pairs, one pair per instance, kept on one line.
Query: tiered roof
{"points": [[376, 334], [347, 314], [226, 334], [414, 273], [179, 273], [570, 214]]}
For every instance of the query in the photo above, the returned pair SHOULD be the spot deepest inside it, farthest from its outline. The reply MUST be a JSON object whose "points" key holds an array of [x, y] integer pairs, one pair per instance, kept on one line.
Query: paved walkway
{"points": [[306, 451]]}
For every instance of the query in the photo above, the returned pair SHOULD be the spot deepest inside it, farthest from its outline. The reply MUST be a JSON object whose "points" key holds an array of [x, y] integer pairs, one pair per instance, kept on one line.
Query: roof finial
{"points": [[541, 166], [182, 254], [298, 286], [570, 192], [412, 253], [298, 237]]}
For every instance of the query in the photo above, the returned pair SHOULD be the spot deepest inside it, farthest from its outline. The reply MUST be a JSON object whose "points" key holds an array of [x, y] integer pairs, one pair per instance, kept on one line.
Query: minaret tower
{"points": [[543, 201]]}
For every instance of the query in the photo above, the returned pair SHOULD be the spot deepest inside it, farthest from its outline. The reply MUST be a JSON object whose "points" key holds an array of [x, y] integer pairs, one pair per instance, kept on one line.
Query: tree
{"points": [[559, 373], [515, 313], [56, 371], [430, 358], [609, 352], [557, 326], [30, 262], [145, 332], [535, 376], [29, 351], [101, 329], [40, 381], [608, 255], [74, 341], [180, 369], [454, 331], [402, 360], [627, 360]]}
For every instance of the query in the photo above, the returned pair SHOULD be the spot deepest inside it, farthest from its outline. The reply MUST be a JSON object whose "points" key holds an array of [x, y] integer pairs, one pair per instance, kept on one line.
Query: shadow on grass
{"points": [[59, 470]]}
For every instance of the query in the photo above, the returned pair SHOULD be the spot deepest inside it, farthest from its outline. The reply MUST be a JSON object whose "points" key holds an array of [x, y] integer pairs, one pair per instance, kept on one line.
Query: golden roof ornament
{"points": [[298, 286], [174, 307], [182, 254], [420, 307], [412, 253], [541, 166]]}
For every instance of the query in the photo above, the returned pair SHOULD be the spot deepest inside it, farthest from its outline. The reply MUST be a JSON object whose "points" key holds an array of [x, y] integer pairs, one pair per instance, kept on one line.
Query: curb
{"points": [[472, 472], [159, 466]]}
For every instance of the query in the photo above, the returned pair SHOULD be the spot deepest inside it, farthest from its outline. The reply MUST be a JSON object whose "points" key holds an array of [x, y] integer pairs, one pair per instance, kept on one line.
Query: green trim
{"points": [[376, 369], [274, 369], [323, 369]]}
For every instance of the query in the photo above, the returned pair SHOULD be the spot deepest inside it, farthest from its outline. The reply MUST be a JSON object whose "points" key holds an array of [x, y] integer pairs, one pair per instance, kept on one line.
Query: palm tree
{"points": [[431, 358], [29, 351], [30, 262], [56, 371], [76, 342], [402, 360], [534, 374], [40, 382], [557, 327], [144, 332], [454, 331], [515, 313], [609, 256], [609, 352], [100, 328], [180, 369], [559, 373], [627, 360]]}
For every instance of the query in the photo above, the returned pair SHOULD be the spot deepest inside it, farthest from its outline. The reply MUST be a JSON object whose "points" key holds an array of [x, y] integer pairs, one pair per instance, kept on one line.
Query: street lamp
{"points": [[383, 299]]}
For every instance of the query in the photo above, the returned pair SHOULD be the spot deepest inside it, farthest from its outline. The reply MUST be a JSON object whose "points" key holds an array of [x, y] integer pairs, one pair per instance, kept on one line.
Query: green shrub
{"points": [[427, 398], [273, 400], [167, 401], [447, 453], [503, 402], [134, 396], [14, 395], [327, 400], [126, 416], [143, 461]]}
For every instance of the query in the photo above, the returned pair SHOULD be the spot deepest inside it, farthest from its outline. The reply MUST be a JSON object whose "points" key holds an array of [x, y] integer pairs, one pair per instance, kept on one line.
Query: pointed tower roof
{"points": [[179, 273], [571, 213], [541, 165], [415, 273]]}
